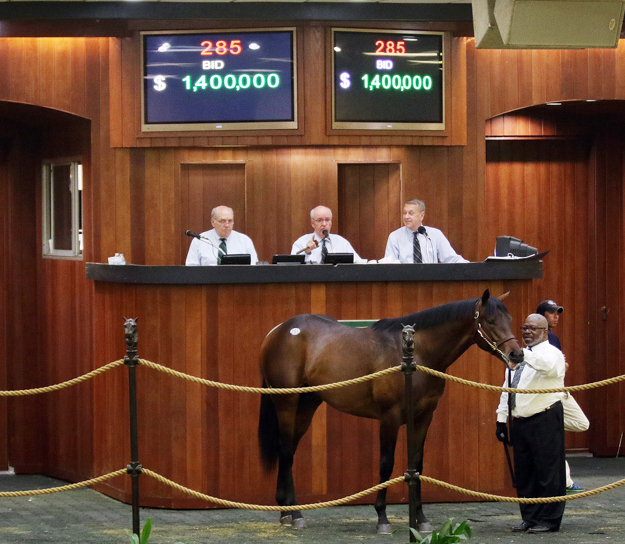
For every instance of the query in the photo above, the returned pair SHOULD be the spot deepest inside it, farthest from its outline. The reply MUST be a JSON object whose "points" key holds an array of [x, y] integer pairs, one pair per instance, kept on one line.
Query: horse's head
{"points": [[493, 334], [130, 332]]}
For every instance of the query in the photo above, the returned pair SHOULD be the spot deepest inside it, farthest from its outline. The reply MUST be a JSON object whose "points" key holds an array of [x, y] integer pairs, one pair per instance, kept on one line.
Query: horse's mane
{"points": [[438, 315]]}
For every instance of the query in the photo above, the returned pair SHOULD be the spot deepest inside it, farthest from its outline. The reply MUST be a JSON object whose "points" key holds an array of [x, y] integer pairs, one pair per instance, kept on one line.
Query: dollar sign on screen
{"points": [[159, 83]]}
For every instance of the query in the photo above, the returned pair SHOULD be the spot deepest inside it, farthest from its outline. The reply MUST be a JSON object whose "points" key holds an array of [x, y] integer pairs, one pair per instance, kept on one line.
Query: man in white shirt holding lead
{"points": [[414, 243], [537, 431], [318, 244], [222, 239]]}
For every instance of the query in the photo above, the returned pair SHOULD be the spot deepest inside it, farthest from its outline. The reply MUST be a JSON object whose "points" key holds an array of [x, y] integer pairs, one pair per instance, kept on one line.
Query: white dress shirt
{"points": [[334, 243], [545, 369], [434, 247], [202, 254]]}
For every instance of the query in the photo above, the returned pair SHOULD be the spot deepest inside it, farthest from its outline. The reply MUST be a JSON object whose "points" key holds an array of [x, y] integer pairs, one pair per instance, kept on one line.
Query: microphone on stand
{"points": [[421, 230], [200, 238], [325, 236]]}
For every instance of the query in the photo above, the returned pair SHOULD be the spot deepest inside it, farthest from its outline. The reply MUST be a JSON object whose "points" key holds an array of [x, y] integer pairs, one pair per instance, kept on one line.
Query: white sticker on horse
{"points": [[295, 331]]}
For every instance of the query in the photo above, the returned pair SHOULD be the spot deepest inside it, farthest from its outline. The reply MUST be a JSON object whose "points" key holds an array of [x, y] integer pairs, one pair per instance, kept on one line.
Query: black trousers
{"points": [[538, 445]]}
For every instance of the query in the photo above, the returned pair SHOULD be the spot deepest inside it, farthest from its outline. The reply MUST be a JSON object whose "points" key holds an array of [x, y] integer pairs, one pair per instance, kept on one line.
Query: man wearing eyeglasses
{"points": [[414, 243], [537, 429], [318, 244], [221, 240]]}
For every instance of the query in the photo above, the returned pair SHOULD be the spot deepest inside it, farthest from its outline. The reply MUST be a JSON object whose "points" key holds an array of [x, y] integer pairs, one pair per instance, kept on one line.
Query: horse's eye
{"points": [[490, 321]]}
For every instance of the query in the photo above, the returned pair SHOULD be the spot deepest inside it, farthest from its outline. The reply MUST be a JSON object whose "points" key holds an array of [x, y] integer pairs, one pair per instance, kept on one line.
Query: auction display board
{"points": [[228, 80], [388, 80]]}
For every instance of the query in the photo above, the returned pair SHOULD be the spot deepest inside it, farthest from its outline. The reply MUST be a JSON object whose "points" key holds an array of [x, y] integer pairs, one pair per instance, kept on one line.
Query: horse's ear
{"points": [[504, 296], [485, 297], [125, 318], [136, 319]]}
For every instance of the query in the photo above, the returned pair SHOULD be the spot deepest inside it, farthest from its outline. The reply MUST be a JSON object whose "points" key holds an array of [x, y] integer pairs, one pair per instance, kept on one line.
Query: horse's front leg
{"points": [[420, 431], [389, 428]]}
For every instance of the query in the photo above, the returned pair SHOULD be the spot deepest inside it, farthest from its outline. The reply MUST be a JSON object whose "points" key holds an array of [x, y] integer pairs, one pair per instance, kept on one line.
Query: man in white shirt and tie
{"points": [[537, 432], [414, 243], [318, 244], [222, 239]]}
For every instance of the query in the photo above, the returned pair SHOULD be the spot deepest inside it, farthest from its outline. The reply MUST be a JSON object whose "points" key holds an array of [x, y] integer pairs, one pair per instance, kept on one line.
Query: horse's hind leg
{"points": [[295, 412], [389, 427]]}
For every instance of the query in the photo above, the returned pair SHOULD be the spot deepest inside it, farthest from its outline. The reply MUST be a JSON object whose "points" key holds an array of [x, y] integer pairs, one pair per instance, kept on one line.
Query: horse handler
{"points": [[537, 428]]}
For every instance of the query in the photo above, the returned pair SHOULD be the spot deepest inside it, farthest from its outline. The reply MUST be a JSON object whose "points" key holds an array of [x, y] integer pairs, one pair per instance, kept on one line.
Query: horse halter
{"points": [[491, 344]]}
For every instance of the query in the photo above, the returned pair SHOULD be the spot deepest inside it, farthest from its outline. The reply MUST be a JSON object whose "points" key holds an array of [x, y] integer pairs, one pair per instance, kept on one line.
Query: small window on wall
{"points": [[62, 209]]}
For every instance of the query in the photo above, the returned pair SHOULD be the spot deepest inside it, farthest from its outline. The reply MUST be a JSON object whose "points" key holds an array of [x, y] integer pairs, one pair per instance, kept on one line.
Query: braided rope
{"points": [[314, 506], [264, 508], [539, 500], [68, 487], [592, 385], [268, 390], [62, 385]]}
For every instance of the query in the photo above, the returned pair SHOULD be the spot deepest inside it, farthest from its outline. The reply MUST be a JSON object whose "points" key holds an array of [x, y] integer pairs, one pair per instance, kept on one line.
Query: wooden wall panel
{"points": [[369, 200], [537, 191]]}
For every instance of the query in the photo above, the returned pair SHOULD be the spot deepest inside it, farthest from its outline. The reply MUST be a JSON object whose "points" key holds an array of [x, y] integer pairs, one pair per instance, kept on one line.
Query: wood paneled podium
{"points": [[210, 322]]}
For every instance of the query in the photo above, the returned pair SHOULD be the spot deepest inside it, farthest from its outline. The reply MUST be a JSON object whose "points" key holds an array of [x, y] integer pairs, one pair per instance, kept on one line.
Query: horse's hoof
{"points": [[384, 529], [286, 521], [425, 527], [299, 523]]}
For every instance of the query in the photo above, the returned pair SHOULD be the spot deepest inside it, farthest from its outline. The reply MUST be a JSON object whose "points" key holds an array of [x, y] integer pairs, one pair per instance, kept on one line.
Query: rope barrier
{"points": [[268, 390], [318, 505], [572, 388], [265, 508], [62, 385], [68, 487], [308, 389], [538, 500]]}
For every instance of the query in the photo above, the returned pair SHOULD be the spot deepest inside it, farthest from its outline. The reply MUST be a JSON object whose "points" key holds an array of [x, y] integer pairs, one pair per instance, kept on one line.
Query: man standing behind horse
{"points": [[414, 243], [317, 245], [537, 429], [221, 240]]}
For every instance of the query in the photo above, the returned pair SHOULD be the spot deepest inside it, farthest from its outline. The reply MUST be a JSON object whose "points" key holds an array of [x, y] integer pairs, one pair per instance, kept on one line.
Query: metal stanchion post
{"points": [[408, 367], [134, 468]]}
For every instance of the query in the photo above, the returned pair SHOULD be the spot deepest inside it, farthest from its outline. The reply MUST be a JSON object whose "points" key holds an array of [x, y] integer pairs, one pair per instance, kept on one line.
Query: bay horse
{"points": [[310, 350]]}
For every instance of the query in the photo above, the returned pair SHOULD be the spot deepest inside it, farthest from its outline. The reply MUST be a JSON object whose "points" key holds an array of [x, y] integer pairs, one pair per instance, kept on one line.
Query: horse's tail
{"points": [[268, 433]]}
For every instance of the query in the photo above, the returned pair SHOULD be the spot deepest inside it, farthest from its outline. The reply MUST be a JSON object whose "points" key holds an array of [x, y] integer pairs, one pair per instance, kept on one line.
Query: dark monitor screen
{"points": [[336, 258], [236, 258], [289, 259], [234, 80], [388, 80]]}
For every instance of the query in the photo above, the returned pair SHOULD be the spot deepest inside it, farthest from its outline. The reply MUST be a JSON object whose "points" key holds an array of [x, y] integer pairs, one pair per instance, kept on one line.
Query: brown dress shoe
{"points": [[525, 526]]}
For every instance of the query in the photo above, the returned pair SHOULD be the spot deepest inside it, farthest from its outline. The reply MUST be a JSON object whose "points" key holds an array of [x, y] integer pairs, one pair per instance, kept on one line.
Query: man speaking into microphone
{"points": [[318, 244], [414, 243], [210, 246]]}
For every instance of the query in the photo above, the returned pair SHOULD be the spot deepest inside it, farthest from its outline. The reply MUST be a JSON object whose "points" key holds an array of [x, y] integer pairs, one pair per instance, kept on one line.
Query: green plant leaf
{"points": [[134, 539], [416, 534], [145, 534], [445, 529]]}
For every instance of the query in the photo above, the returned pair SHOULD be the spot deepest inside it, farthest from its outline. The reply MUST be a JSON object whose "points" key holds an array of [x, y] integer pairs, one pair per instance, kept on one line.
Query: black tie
{"points": [[416, 249], [222, 250], [324, 250]]}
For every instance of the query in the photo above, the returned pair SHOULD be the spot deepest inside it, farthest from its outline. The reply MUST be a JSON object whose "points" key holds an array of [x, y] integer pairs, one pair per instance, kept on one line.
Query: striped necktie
{"points": [[223, 250], [416, 249], [324, 250], [515, 383]]}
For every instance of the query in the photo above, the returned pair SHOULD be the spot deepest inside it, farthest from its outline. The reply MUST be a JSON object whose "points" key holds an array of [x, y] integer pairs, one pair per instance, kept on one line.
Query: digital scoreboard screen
{"points": [[388, 80], [234, 80]]}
